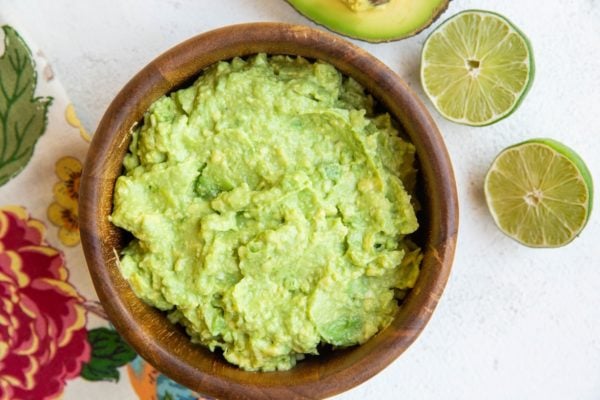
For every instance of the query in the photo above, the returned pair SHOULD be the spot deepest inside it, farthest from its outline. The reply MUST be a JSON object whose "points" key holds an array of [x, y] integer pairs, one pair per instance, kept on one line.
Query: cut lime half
{"points": [[476, 67], [539, 193]]}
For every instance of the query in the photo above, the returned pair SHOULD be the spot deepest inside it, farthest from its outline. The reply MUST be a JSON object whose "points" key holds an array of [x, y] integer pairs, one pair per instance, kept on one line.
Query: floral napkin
{"points": [[55, 338]]}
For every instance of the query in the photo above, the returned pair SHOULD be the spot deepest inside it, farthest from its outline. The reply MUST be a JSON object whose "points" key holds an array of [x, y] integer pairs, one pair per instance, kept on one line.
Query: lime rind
{"points": [[520, 96], [567, 154]]}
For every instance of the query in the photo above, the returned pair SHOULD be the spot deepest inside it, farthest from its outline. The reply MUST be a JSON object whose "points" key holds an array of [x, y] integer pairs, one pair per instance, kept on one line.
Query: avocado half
{"points": [[383, 22]]}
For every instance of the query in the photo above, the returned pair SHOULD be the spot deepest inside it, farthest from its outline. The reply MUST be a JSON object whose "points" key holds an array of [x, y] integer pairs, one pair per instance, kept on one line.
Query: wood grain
{"points": [[165, 345]]}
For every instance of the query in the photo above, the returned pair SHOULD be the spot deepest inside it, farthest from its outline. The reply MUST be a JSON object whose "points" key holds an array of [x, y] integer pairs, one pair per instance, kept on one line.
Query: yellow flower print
{"points": [[64, 211], [73, 120]]}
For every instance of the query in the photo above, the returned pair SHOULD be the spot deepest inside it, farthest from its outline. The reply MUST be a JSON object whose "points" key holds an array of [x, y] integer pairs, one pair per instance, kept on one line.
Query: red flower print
{"points": [[43, 340]]}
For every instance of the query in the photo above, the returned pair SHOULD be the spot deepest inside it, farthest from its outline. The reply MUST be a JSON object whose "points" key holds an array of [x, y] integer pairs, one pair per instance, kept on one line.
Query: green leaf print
{"points": [[109, 352], [23, 117]]}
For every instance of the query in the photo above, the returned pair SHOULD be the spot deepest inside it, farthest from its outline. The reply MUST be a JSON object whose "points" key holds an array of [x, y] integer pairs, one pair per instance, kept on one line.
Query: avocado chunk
{"points": [[372, 20]]}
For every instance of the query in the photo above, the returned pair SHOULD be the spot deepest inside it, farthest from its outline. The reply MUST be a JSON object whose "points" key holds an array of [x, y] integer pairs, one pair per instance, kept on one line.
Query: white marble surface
{"points": [[514, 322]]}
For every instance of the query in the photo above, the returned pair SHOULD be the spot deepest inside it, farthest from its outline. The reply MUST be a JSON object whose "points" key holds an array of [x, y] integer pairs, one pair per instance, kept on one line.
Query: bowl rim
{"points": [[178, 65]]}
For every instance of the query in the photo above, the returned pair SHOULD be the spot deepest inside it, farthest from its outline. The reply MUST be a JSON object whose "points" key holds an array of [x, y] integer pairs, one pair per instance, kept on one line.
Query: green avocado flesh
{"points": [[270, 206], [373, 21]]}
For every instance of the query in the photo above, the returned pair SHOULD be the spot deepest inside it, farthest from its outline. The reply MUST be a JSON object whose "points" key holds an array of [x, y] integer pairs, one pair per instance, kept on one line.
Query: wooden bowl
{"points": [[165, 345]]}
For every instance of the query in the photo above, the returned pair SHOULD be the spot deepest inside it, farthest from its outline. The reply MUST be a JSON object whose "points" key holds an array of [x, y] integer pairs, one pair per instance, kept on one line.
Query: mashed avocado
{"points": [[270, 207]]}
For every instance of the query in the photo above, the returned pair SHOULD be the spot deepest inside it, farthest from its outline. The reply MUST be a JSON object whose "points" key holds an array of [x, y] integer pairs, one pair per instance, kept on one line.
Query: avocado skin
{"points": [[440, 10]]}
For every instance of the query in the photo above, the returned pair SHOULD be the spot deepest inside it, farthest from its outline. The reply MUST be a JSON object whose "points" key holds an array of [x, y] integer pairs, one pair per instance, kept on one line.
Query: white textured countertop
{"points": [[514, 322]]}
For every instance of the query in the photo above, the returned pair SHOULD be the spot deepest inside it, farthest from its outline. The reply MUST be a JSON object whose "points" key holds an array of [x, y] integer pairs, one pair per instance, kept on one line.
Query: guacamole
{"points": [[269, 204]]}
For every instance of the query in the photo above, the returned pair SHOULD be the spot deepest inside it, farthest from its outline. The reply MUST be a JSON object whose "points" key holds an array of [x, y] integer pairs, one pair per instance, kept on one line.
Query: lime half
{"points": [[476, 67], [540, 193]]}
